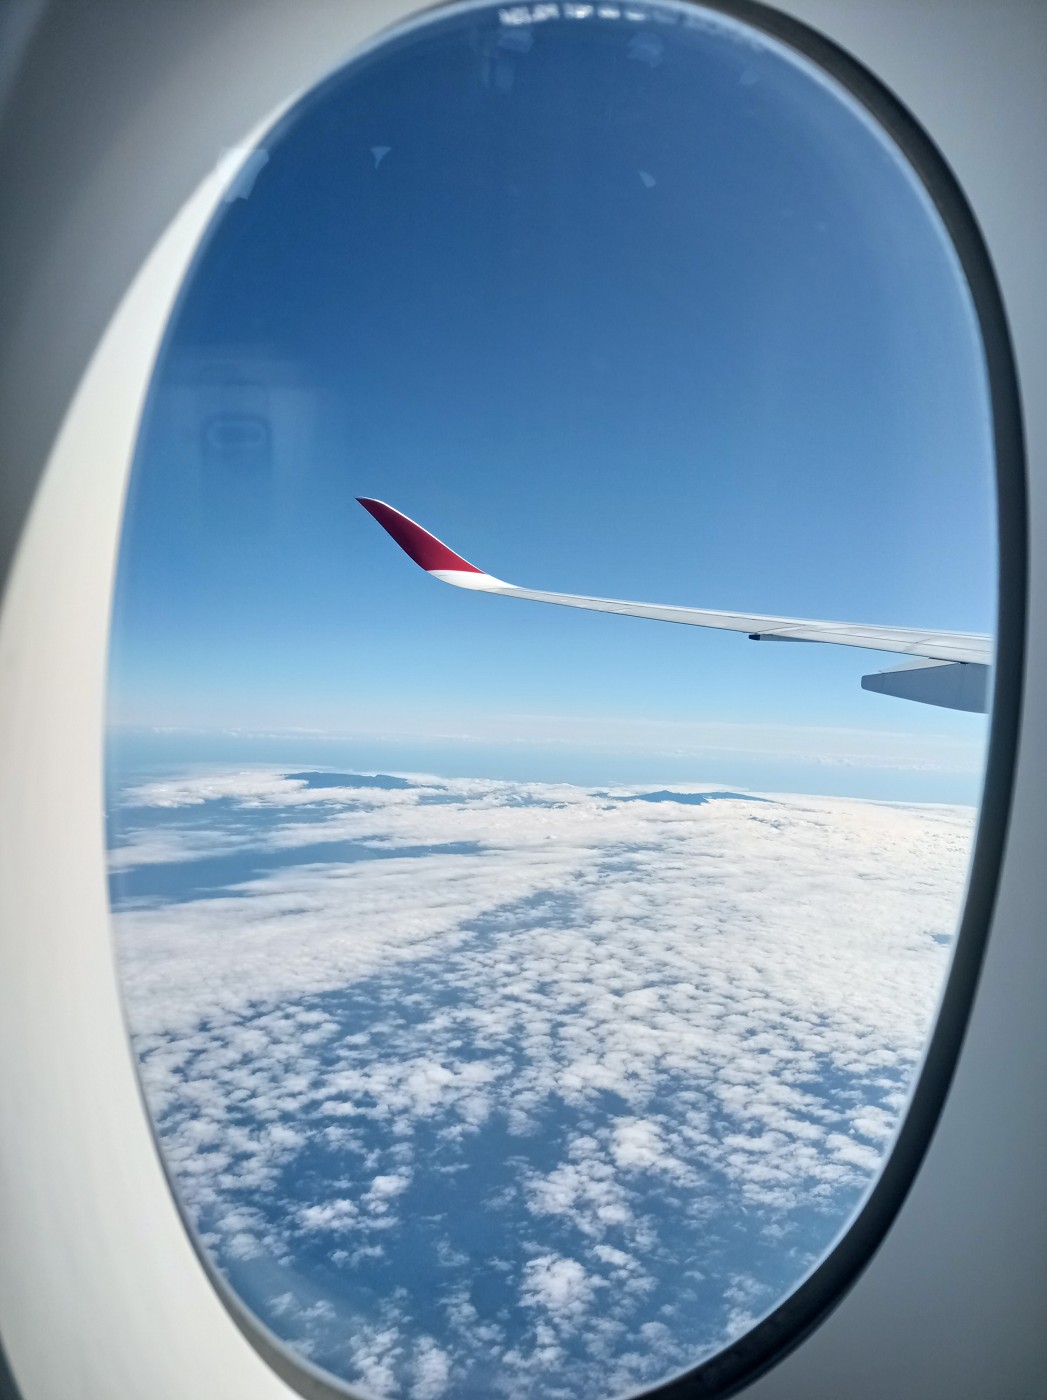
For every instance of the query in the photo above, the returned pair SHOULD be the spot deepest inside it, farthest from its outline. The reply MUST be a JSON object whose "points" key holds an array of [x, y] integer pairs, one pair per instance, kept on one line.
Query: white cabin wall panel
{"points": [[122, 110]]}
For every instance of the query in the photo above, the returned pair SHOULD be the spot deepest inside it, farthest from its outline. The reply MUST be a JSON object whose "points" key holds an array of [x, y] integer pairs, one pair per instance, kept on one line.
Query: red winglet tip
{"points": [[425, 549]]}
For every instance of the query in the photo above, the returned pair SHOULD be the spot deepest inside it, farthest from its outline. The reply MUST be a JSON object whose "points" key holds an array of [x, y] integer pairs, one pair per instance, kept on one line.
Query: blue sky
{"points": [[633, 308]]}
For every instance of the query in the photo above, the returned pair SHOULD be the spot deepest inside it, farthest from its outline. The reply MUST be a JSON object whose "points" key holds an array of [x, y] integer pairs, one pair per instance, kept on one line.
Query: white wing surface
{"points": [[967, 649]]}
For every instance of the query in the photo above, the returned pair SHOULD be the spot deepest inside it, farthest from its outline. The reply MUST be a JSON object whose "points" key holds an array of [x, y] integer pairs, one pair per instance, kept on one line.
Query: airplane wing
{"points": [[950, 668]]}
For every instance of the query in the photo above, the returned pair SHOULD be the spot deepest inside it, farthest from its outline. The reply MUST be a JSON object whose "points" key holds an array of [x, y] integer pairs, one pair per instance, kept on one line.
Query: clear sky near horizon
{"points": [[636, 308]]}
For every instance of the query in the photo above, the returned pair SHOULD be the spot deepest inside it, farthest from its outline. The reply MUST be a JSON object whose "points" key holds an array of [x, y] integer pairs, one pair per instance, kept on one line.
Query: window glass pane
{"points": [[526, 997]]}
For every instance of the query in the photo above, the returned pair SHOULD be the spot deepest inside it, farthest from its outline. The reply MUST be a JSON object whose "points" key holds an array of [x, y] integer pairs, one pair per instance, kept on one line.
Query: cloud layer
{"points": [[484, 1088]]}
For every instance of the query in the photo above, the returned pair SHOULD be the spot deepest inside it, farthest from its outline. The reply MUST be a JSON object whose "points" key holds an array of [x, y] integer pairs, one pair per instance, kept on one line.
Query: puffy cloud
{"points": [[561, 1286], [432, 1371]]}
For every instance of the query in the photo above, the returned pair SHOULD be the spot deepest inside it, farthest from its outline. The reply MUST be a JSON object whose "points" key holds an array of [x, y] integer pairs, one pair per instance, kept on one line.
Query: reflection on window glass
{"points": [[526, 997]]}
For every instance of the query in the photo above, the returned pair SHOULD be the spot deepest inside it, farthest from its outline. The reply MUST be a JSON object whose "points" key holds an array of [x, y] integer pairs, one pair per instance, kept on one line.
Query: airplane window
{"points": [[526, 997]]}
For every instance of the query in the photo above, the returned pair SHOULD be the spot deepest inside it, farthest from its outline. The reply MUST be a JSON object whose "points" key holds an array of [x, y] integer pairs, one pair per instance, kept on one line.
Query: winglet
{"points": [[426, 550], [430, 553]]}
